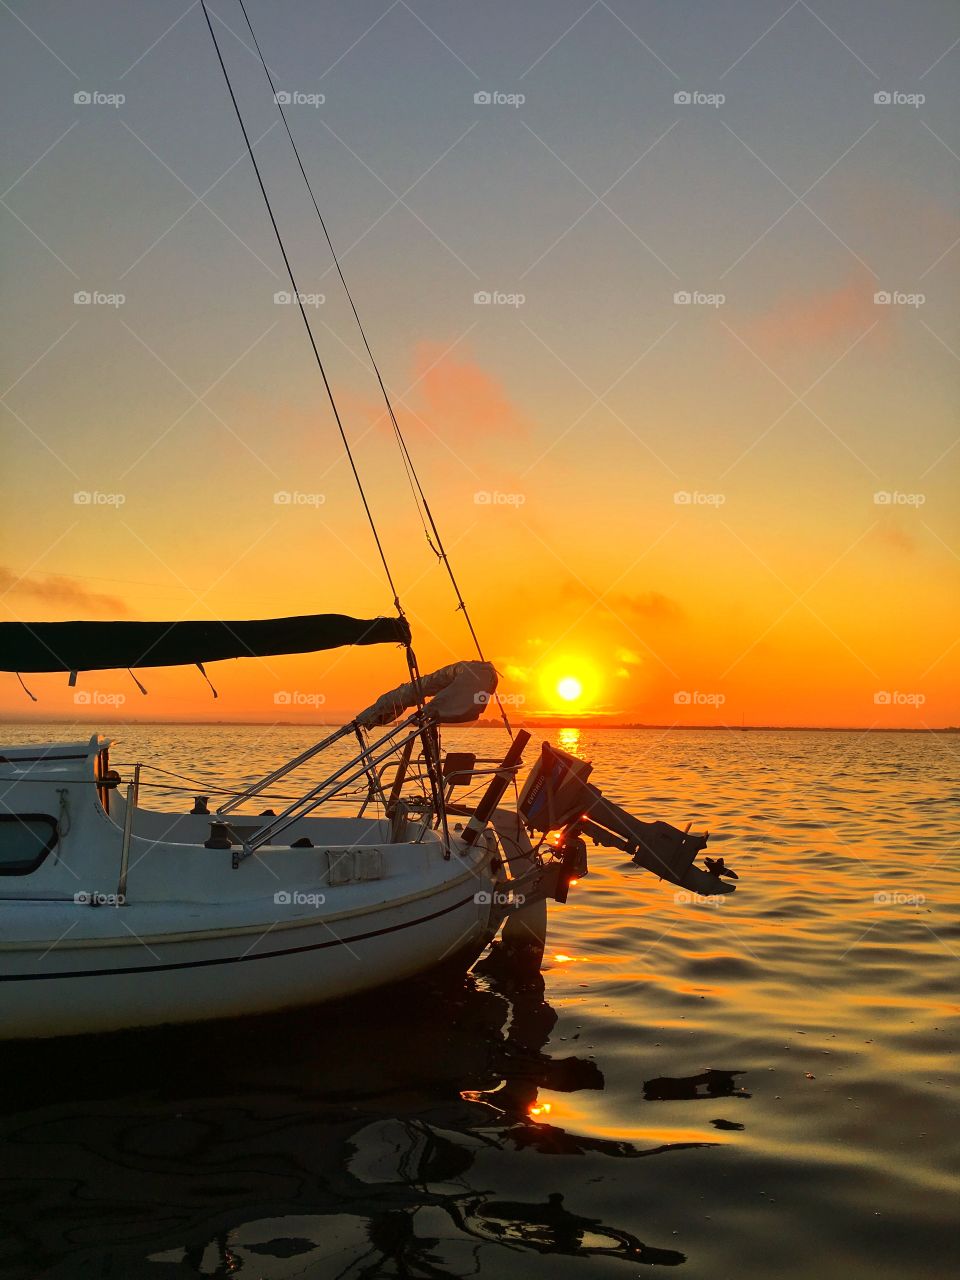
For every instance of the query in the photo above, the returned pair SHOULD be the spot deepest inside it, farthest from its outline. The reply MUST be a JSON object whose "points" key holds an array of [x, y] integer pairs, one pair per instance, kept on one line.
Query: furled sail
{"points": [[98, 646], [458, 694]]}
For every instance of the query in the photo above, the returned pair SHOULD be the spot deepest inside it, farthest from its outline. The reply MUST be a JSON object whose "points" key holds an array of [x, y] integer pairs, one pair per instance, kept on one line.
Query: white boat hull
{"points": [[72, 990], [130, 919]]}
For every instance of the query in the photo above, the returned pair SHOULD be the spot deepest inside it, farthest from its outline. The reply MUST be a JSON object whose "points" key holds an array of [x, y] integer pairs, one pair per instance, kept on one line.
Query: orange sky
{"points": [[703, 511]]}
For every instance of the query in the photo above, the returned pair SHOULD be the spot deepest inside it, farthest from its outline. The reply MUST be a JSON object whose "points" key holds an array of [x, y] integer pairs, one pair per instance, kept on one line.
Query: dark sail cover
{"points": [[97, 646]]}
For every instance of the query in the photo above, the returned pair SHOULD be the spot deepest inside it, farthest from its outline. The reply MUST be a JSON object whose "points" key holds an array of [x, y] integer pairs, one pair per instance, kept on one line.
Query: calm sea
{"points": [[765, 1087]]}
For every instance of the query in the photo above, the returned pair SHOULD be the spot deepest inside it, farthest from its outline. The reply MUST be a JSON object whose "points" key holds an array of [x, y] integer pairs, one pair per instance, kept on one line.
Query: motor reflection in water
{"points": [[351, 1142]]}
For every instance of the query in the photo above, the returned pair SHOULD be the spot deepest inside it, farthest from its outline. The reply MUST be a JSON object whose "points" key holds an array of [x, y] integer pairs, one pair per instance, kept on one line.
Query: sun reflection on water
{"points": [[569, 740]]}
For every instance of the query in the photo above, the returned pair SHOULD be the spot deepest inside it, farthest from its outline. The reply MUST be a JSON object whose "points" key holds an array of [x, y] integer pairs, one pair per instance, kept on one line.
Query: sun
{"points": [[569, 689], [570, 684]]}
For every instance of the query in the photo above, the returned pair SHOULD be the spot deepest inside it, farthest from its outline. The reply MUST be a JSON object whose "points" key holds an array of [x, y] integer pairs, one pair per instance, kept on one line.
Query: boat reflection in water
{"points": [[347, 1142]]}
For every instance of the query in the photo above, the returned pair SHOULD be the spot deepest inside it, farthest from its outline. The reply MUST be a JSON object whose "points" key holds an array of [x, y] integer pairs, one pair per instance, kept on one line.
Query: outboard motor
{"points": [[557, 797]]}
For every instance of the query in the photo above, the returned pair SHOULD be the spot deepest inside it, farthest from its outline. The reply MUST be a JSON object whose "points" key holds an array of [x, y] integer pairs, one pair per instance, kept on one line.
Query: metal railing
{"points": [[361, 765], [284, 769]]}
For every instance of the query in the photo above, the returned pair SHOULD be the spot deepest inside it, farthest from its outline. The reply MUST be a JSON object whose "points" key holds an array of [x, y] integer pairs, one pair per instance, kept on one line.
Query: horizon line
{"points": [[536, 723]]}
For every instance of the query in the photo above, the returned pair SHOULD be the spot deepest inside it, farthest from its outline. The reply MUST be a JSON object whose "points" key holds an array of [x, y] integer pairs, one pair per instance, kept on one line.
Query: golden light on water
{"points": [[568, 739]]}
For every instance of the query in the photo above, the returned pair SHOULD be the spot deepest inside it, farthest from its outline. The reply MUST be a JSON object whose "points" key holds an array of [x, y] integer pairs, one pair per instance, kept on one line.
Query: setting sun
{"points": [[570, 684], [569, 689]]}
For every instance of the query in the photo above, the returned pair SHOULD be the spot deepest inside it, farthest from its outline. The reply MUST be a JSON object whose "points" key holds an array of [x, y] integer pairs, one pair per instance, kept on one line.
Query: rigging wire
{"points": [[412, 665], [420, 499], [303, 313]]}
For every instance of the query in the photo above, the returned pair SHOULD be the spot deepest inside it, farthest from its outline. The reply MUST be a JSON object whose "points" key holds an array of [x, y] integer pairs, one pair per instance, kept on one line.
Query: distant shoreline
{"points": [[492, 724]]}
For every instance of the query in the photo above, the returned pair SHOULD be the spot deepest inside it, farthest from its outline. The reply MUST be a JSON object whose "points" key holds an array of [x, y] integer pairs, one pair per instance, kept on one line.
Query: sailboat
{"points": [[114, 915]]}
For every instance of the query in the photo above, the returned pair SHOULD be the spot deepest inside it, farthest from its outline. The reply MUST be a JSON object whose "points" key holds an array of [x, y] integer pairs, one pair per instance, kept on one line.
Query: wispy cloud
{"points": [[891, 534], [458, 397], [800, 320], [60, 592], [651, 606]]}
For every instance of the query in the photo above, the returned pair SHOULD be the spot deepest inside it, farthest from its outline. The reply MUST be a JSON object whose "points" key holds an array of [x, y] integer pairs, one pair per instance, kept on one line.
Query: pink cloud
{"points": [[892, 535], [817, 316], [455, 395]]}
